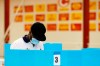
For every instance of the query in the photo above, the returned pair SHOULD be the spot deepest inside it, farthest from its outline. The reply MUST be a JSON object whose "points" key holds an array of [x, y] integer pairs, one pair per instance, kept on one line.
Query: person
{"points": [[33, 41]]}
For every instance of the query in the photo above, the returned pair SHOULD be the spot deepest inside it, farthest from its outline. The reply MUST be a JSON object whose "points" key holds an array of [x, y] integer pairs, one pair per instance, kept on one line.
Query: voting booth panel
{"points": [[84, 57], [30, 57], [91, 57]]}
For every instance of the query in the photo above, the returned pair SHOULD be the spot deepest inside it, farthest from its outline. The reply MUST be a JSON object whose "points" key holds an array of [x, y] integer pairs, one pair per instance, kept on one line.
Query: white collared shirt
{"points": [[20, 44]]}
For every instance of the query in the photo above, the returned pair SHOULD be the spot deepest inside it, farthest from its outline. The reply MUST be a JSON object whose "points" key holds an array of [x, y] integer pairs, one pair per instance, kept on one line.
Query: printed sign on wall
{"points": [[27, 27], [63, 27], [52, 7], [76, 6], [51, 27], [76, 16], [92, 16], [92, 6], [20, 9], [76, 27], [40, 17], [29, 18], [29, 8], [63, 16], [26, 13], [51, 17], [56, 16], [92, 27], [99, 4], [18, 18], [40, 7]]}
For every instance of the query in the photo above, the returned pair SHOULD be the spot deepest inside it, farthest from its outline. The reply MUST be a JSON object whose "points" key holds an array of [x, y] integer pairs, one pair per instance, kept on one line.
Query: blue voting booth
{"points": [[84, 57]]}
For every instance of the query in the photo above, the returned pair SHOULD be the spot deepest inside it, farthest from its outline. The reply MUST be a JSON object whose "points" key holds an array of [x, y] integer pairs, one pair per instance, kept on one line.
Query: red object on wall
{"points": [[92, 16], [20, 9], [76, 27], [7, 38], [76, 6], [63, 16], [52, 7], [18, 18], [29, 8], [86, 24], [40, 17], [27, 27], [51, 27], [63, 2]]}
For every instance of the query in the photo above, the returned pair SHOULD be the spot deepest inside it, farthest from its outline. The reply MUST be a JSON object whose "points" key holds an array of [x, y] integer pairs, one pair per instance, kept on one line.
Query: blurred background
{"points": [[74, 23]]}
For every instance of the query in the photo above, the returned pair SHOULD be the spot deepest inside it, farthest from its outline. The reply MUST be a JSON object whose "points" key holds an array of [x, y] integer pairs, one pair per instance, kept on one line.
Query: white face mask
{"points": [[34, 41]]}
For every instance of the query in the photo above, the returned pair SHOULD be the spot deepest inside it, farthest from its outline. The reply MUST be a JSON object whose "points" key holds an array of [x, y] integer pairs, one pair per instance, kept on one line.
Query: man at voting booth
{"points": [[32, 41]]}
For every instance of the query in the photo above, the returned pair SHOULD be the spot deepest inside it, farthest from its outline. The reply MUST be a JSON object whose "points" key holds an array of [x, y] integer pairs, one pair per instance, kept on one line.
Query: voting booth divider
{"points": [[47, 57]]}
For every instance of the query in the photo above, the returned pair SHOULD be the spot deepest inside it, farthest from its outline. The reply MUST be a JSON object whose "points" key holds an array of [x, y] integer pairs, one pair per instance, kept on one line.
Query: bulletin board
{"points": [[94, 23], [63, 20], [1, 26]]}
